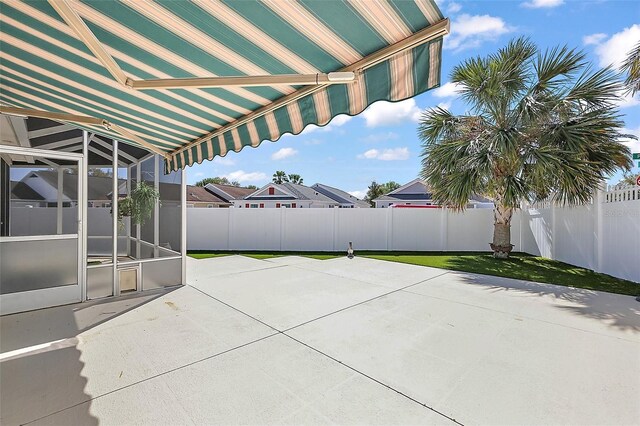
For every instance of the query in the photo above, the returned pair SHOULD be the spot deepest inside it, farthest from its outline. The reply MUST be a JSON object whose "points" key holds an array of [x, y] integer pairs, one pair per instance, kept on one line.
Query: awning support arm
{"points": [[71, 17], [439, 29]]}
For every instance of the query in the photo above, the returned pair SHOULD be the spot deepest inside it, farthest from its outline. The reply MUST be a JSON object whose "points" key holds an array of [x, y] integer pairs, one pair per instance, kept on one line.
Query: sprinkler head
{"points": [[350, 250]]}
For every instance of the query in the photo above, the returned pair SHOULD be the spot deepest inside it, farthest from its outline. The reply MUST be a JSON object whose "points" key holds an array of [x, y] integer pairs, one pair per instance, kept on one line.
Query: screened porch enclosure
{"points": [[60, 241]]}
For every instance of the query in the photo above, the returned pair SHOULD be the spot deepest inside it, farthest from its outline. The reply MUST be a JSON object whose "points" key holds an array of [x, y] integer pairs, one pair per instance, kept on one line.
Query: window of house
{"points": [[254, 206], [246, 206], [293, 205], [272, 191], [277, 205], [262, 205]]}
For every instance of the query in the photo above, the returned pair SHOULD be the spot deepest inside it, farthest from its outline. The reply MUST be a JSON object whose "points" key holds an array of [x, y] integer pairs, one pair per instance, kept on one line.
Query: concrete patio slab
{"points": [[286, 296], [178, 328], [274, 381], [388, 274], [587, 310], [482, 366], [203, 269], [365, 342], [292, 260]]}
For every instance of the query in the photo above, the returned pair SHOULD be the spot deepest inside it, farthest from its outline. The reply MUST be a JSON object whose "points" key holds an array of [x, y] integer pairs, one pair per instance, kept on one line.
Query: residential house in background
{"points": [[228, 193], [287, 195], [417, 194], [344, 199], [39, 188], [414, 193], [198, 196]]}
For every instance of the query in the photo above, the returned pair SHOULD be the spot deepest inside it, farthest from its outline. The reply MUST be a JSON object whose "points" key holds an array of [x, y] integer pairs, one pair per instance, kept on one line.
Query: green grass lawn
{"points": [[520, 266]]}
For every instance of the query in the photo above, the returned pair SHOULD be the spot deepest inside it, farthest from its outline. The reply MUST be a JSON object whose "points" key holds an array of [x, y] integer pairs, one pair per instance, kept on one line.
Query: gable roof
{"points": [[298, 192], [423, 187], [339, 195], [229, 193], [22, 191], [200, 194], [98, 188], [306, 193]]}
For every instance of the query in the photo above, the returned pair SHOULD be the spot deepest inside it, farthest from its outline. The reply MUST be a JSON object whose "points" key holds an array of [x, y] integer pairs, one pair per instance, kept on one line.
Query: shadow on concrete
{"points": [[616, 310], [40, 363]]}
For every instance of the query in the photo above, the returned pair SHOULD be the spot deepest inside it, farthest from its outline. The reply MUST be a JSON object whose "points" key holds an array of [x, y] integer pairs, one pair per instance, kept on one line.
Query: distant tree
{"points": [[99, 173], [217, 181], [374, 191], [293, 178], [628, 179], [251, 187], [632, 67], [390, 186], [280, 177]]}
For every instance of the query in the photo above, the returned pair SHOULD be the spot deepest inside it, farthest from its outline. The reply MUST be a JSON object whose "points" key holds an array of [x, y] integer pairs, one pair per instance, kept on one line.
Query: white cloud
{"points": [[384, 113], [447, 90], [313, 142], [358, 194], [634, 145], [615, 49], [538, 4], [392, 154], [596, 38], [454, 7], [469, 31], [242, 176], [445, 105], [283, 153], [340, 120], [628, 101], [224, 161], [337, 121], [380, 137]]}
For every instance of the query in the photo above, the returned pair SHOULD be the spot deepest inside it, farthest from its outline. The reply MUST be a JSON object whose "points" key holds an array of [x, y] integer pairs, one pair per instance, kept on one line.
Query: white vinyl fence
{"points": [[603, 236]]}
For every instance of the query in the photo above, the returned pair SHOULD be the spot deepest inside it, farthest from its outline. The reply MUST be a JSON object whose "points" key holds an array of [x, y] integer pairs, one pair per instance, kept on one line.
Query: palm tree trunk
{"points": [[501, 244]]}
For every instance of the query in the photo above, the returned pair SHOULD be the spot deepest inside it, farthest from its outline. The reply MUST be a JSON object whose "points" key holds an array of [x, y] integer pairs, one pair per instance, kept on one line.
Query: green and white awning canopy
{"points": [[150, 72]]}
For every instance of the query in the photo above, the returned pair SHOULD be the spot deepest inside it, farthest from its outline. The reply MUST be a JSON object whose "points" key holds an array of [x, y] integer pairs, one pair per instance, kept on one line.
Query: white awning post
{"points": [[114, 217]]}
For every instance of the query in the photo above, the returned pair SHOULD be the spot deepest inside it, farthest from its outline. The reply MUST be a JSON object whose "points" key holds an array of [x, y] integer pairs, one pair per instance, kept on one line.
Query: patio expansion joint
{"points": [[283, 332], [355, 370], [155, 376], [365, 301], [517, 315]]}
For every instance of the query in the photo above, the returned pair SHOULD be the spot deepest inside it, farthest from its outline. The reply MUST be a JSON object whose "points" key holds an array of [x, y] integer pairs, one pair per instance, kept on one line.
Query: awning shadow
{"points": [[40, 362]]}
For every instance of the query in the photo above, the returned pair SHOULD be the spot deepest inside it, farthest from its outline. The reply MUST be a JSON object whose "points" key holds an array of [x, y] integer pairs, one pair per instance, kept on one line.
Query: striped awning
{"points": [[142, 71]]}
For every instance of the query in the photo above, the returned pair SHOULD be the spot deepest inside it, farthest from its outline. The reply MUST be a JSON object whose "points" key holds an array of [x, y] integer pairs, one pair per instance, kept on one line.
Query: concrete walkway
{"points": [[293, 340]]}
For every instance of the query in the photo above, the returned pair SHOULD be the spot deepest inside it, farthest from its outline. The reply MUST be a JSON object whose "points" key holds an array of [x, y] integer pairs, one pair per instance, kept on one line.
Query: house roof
{"points": [[306, 193], [98, 188], [229, 193], [404, 197], [339, 195], [200, 194], [399, 193], [22, 191]]}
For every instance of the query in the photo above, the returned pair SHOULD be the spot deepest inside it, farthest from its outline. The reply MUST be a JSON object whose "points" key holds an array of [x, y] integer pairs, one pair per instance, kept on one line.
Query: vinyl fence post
{"points": [[599, 225], [444, 229], [389, 245]]}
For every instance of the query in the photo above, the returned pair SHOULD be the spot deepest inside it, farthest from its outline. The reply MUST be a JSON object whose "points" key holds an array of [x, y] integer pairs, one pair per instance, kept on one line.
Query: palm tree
{"points": [[542, 125], [294, 178], [632, 66], [280, 177]]}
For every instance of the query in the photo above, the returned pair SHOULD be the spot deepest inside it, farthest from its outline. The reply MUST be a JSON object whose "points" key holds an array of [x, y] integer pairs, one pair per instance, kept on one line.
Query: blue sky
{"points": [[381, 143]]}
